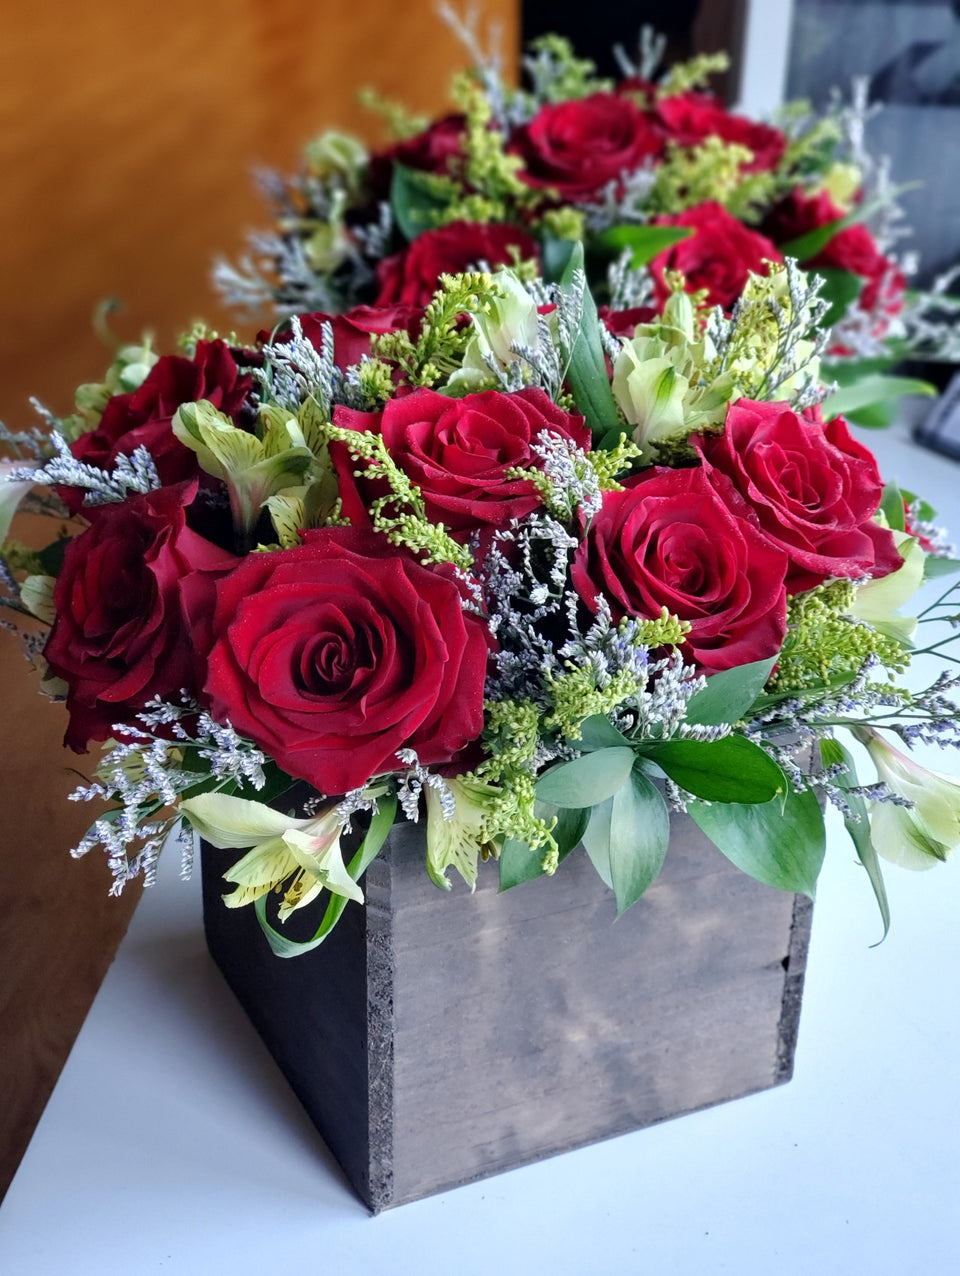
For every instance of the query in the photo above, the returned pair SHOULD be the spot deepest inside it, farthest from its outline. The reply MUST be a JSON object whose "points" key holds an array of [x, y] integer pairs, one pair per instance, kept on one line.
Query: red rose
{"points": [[813, 488], [142, 419], [334, 655], [438, 149], [853, 249], [460, 452], [577, 147], [352, 331], [119, 637], [670, 540], [718, 256], [623, 323], [690, 118], [412, 276]]}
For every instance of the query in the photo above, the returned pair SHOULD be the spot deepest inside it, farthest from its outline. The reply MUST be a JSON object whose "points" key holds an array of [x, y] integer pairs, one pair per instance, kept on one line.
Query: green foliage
{"points": [[558, 74], [627, 838], [823, 642], [586, 368], [644, 242], [728, 695], [732, 769], [781, 843], [857, 823], [420, 200], [403, 123]]}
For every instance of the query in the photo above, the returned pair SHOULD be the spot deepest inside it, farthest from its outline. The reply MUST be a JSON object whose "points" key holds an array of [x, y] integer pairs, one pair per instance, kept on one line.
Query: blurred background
{"points": [[128, 136]]}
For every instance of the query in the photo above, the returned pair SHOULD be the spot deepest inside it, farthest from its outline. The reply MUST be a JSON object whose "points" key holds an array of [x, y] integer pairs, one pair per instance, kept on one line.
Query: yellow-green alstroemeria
{"points": [[917, 836], [281, 846], [878, 601]]}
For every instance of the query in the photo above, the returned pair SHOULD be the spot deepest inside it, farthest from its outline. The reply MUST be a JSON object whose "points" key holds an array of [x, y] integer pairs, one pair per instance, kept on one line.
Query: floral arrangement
{"points": [[652, 173], [489, 563]]}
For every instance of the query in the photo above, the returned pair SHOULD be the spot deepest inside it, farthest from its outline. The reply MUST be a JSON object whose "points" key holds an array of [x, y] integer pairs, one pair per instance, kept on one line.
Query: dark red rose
{"points": [[690, 118], [623, 323], [412, 276], [577, 147], [142, 419], [670, 540], [853, 249], [438, 149], [119, 636], [460, 452], [334, 655], [353, 329], [718, 256], [814, 490]]}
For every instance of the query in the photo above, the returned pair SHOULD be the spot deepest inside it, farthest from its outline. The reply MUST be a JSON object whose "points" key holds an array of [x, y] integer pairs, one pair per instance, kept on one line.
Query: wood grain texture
{"points": [[494, 1029], [127, 135]]}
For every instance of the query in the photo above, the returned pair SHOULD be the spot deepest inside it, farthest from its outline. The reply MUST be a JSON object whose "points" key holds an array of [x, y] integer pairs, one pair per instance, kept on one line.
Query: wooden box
{"points": [[436, 1038]]}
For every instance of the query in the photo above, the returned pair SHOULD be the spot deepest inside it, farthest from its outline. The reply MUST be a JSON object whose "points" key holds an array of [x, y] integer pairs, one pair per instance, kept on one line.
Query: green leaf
{"points": [[892, 506], [600, 733], [380, 826], [833, 753], [780, 845], [639, 837], [933, 566], [587, 370], [554, 257], [415, 200], [871, 390], [841, 288], [733, 769], [728, 695], [518, 863], [596, 840], [51, 557], [587, 780], [644, 241]]}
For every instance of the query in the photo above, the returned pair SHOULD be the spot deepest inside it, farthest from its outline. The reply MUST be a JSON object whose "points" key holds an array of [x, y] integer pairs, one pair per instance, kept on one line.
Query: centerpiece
{"points": [[557, 601]]}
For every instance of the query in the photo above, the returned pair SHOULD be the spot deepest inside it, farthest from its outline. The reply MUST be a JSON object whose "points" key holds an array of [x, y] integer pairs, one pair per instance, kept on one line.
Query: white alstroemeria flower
{"points": [[455, 838], [12, 492], [878, 601], [917, 836], [511, 320], [280, 846]]}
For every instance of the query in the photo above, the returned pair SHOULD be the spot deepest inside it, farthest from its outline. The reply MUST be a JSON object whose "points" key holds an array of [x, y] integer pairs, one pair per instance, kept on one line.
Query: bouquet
{"points": [[490, 564], [652, 173]]}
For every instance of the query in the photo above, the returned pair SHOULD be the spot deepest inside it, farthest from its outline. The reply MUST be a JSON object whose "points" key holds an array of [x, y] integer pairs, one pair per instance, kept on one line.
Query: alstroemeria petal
{"points": [[236, 822], [325, 862]]}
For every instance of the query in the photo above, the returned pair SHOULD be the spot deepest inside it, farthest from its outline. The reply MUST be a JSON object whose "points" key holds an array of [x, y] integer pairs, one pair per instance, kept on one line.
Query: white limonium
{"points": [[917, 836], [878, 601], [281, 846]]}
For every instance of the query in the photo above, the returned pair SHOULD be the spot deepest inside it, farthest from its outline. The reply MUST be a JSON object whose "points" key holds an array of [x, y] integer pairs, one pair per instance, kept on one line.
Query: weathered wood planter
{"points": [[437, 1038]]}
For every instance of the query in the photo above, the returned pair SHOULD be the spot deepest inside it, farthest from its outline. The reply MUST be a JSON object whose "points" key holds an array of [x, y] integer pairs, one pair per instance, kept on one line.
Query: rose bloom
{"points": [[436, 150], [142, 419], [412, 276], [459, 453], [670, 539], [353, 329], [690, 118], [577, 147], [718, 256], [813, 489], [853, 249], [119, 637], [334, 655]]}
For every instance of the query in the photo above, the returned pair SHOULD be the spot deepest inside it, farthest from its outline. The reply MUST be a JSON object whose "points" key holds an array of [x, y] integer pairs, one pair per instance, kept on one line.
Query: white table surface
{"points": [[172, 1144]]}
